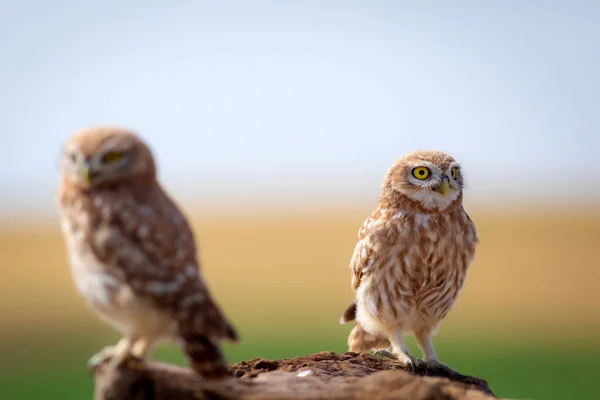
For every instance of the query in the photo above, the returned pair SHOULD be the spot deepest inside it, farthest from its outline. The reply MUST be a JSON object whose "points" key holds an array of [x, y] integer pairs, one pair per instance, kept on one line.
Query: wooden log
{"points": [[323, 375]]}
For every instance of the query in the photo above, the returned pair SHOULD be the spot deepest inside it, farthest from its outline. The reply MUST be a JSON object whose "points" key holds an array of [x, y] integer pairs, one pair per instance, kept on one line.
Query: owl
{"points": [[132, 253], [411, 258]]}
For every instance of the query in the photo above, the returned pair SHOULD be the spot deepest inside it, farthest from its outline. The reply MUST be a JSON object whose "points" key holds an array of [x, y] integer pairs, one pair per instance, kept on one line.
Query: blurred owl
{"points": [[411, 258], [132, 252]]}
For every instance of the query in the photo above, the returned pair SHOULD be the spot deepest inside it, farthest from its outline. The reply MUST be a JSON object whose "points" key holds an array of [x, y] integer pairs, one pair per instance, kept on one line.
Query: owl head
{"points": [[431, 179], [106, 156]]}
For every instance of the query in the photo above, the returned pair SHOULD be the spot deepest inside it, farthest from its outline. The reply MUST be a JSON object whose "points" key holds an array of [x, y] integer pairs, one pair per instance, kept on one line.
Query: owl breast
{"points": [[439, 268], [96, 284], [106, 291], [418, 275]]}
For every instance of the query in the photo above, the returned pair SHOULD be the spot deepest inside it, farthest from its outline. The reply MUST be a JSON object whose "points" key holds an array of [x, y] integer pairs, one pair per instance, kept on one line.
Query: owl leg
{"points": [[123, 348], [425, 343], [135, 353], [141, 348], [400, 350], [124, 353]]}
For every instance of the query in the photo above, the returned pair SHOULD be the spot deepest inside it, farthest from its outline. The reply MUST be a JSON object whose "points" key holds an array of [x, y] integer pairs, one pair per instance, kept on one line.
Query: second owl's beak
{"points": [[444, 187], [85, 174]]}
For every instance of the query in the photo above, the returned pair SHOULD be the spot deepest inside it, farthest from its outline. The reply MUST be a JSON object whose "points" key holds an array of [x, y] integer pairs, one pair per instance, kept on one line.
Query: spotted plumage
{"points": [[132, 253], [412, 255]]}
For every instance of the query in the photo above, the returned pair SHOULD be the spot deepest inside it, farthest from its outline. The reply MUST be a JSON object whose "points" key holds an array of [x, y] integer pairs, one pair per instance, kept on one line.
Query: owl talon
{"points": [[439, 369], [418, 364], [129, 362], [385, 354], [411, 363]]}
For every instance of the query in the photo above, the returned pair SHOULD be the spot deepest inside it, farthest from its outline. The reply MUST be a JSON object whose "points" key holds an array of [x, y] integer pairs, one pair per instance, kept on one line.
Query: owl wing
{"points": [[152, 247], [365, 254]]}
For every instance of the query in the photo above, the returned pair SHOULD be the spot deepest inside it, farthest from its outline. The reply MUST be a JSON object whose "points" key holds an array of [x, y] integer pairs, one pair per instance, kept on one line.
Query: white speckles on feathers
{"points": [[191, 270], [421, 220], [160, 288]]}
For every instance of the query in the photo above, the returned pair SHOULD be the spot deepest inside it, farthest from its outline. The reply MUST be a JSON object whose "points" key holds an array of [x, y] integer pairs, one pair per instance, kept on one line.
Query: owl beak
{"points": [[444, 187], [85, 174]]}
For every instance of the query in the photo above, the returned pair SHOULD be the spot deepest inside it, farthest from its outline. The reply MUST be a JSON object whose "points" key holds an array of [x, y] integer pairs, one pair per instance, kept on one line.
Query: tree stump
{"points": [[323, 375]]}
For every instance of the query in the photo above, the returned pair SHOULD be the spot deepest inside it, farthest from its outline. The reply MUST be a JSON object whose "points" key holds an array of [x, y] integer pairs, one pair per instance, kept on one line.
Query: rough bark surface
{"points": [[323, 375]]}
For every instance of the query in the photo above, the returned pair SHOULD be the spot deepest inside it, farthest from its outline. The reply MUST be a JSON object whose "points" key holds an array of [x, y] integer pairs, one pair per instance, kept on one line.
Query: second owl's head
{"points": [[431, 179], [106, 155]]}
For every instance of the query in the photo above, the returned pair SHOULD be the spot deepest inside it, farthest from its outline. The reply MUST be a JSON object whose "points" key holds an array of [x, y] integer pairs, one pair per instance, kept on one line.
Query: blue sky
{"points": [[275, 101]]}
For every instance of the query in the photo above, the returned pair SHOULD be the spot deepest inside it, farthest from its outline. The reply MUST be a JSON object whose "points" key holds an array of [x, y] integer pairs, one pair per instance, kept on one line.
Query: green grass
{"points": [[519, 370]]}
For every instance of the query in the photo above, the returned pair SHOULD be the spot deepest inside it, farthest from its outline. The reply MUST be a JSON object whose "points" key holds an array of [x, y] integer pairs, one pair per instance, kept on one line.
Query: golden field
{"points": [[535, 272]]}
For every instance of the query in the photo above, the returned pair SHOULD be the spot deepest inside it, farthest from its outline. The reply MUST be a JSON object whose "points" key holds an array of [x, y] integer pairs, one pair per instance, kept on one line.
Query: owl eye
{"points": [[420, 172], [112, 157], [453, 172]]}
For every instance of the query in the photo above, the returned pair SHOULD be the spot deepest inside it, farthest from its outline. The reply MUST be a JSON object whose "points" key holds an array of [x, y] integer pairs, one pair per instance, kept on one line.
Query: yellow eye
{"points": [[112, 157], [420, 172], [453, 172]]}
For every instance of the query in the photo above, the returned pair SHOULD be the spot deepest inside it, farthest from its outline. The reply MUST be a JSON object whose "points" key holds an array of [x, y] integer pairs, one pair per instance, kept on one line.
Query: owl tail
{"points": [[360, 340], [349, 314], [204, 356]]}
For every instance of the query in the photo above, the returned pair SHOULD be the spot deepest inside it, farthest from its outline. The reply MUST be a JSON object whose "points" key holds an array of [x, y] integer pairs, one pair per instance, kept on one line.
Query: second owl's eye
{"points": [[453, 172], [420, 172], [112, 157]]}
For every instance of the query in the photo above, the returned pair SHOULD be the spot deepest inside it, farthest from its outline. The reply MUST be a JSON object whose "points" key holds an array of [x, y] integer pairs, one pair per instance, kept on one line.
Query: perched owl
{"points": [[132, 253], [411, 258]]}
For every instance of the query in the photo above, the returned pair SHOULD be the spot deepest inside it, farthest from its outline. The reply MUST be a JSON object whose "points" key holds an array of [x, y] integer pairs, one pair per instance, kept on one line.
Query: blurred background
{"points": [[273, 123]]}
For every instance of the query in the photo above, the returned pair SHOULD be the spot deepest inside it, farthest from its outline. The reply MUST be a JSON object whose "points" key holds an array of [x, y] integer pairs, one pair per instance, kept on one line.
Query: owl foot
{"points": [[100, 357], [122, 358], [129, 362], [439, 369], [385, 353], [413, 364], [114, 355]]}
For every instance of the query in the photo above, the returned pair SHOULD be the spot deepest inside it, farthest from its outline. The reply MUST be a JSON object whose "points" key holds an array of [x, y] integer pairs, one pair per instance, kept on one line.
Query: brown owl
{"points": [[411, 258], [132, 253]]}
